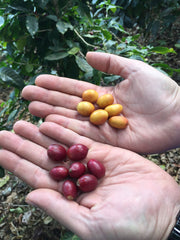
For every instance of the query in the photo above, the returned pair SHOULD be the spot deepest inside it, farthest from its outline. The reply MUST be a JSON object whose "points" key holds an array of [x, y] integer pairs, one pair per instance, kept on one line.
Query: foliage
{"points": [[53, 36], [68, 235], [153, 16]]}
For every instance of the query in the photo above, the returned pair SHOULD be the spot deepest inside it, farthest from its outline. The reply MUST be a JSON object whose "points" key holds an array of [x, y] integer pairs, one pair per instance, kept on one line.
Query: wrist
{"points": [[169, 230], [175, 232], [174, 124]]}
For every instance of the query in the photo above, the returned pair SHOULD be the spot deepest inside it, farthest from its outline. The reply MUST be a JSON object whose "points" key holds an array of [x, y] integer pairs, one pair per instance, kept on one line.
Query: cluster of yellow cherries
{"points": [[100, 109]]}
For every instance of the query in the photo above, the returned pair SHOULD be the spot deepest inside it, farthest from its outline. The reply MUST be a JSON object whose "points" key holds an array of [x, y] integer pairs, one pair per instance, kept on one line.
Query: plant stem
{"points": [[83, 40]]}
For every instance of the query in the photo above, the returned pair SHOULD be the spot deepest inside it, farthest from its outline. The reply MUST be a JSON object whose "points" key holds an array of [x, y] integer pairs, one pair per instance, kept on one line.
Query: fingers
{"points": [[57, 91], [101, 134], [25, 155], [63, 135], [29, 144], [113, 64], [65, 85], [31, 132], [42, 110], [68, 213], [28, 172], [55, 98]]}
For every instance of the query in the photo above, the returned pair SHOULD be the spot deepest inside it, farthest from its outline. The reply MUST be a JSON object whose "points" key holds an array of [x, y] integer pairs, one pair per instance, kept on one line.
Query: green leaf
{"points": [[29, 67], [52, 17], [10, 77], [83, 65], [110, 79], [16, 210], [162, 50], [106, 34], [47, 220], [18, 8], [62, 26], [162, 166], [113, 8], [177, 45], [43, 3], [68, 235], [32, 25], [2, 172], [56, 56], [73, 50], [21, 43], [4, 180], [12, 115]]}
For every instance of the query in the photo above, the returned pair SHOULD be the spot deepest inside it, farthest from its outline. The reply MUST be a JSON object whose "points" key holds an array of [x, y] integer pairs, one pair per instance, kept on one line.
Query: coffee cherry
{"points": [[114, 109], [85, 108], [96, 168], [98, 117], [77, 169], [77, 152], [69, 190], [56, 152], [87, 182], [119, 122], [105, 100], [59, 173], [90, 95]]}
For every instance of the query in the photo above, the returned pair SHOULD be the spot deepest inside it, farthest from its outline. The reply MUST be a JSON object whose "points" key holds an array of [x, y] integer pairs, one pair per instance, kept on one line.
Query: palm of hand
{"points": [[149, 104], [148, 97], [122, 200]]}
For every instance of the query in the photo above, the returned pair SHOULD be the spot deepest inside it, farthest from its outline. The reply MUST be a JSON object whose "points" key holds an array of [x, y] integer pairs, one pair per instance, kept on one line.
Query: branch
{"points": [[83, 40]]}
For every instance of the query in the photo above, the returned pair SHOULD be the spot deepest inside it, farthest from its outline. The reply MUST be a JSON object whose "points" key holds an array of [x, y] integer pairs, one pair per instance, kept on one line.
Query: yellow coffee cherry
{"points": [[105, 100], [114, 109], [119, 122], [85, 108], [90, 95], [98, 117]]}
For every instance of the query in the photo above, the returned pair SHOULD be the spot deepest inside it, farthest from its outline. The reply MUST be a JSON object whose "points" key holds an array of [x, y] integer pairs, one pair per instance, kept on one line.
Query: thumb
{"points": [[112, 64], [68, 213]]}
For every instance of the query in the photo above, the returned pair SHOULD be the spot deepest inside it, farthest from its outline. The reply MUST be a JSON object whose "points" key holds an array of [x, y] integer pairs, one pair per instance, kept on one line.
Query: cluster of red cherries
{"points": [[78, 177]]}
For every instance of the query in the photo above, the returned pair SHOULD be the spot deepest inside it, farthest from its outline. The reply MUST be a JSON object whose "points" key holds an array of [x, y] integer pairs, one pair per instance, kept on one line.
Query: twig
{"points": [[83, 40]]}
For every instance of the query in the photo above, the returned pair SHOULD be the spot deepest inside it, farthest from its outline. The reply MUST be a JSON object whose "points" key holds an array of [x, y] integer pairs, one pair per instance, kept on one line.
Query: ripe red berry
{"points": [[77, 169], [87, 182], [56, 152], [59, 173], [77, 152], [96, 168], [69, 190]]}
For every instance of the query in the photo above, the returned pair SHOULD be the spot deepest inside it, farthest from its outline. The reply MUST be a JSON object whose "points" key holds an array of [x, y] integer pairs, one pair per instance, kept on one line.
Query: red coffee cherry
{"points": [[59, 173], [87, 182], [77, 169], [77, 152], [56, 152], [96, 168], [69, 190]]}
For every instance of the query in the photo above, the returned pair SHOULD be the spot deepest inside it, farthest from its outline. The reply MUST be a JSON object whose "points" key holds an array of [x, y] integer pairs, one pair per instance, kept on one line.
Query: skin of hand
{"points": [[135, 200], [150, 102]]}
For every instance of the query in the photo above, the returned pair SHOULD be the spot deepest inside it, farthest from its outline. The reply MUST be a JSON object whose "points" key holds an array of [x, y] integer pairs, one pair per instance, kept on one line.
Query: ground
{"points": [[21, 221]]}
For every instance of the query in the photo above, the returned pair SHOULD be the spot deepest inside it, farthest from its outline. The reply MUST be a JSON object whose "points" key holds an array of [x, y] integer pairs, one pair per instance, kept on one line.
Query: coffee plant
{"points": [[53, 36]]}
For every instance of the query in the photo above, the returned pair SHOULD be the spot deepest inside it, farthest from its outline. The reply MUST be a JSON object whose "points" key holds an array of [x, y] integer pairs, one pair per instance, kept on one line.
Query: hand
{"points": [[151, 102], [135, 200]]}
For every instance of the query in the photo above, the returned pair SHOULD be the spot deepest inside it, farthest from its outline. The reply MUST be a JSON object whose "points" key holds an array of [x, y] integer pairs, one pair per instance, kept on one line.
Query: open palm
{"points": [[149, 98], [135, 200]]}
